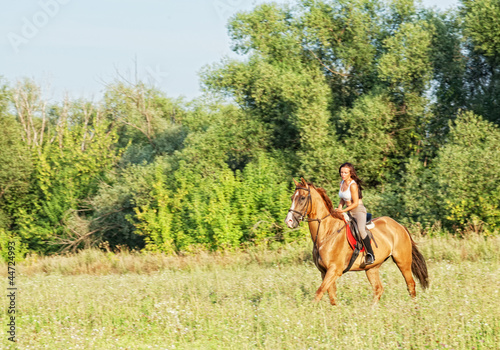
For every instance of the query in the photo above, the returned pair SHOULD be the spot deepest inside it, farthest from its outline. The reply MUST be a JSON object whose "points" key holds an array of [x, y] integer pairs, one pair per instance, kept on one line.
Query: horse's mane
{"points": [[327, 200]]}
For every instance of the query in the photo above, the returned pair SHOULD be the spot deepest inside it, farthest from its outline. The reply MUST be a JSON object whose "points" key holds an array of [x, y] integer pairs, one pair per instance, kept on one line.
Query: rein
{"points": [[306, 219]]}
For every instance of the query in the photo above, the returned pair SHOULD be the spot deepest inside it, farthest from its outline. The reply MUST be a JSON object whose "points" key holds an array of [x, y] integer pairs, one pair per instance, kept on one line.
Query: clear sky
{"points": [[76, 46]]}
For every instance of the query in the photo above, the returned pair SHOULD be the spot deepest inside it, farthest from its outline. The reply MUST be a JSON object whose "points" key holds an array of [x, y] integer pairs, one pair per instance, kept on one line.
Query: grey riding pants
{"points": [[359, 213]]}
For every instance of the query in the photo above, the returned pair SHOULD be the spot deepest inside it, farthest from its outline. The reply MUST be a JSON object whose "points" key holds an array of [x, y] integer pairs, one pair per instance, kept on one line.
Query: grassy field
{"points": [[254, 300]]}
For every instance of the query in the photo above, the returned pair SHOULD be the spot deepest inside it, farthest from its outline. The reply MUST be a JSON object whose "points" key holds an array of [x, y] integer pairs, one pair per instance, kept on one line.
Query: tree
{"points": [[147, 121], [467, 172], [76, 151], [482, 80], [367, 130], [16, 165]]}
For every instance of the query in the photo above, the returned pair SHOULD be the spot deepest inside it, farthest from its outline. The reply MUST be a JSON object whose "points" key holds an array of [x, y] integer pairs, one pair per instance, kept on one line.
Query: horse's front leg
{"points": [[328, 283], [332, 291]]}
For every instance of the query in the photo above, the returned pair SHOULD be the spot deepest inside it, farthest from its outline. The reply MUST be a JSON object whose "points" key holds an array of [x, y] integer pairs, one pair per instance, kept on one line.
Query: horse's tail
{"points": [[418, 264]]}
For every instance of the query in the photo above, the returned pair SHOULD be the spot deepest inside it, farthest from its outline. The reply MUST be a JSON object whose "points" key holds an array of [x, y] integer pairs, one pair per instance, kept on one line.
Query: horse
{"points": [[332, 252]]}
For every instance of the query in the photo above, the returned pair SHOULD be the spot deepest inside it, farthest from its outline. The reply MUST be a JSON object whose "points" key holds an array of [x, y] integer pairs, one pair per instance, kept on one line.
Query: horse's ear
{"points": [[296, 183], [304, 182]]}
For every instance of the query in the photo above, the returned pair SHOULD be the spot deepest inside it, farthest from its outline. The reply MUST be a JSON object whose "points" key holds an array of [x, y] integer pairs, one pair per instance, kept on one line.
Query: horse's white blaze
{"points": [[289, 218]]}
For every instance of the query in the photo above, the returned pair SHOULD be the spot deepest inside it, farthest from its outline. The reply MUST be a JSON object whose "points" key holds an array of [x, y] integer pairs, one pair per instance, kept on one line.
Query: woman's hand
{"points": [[338, 210]]}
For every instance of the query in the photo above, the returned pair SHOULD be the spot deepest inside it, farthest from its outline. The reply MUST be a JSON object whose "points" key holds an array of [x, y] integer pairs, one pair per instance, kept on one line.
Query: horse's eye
{"points": [[302, 198]]}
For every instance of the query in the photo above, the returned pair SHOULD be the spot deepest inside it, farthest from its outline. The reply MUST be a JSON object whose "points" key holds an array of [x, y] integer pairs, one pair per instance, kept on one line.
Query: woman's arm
{"points": [[355, 198], [341, 204]]}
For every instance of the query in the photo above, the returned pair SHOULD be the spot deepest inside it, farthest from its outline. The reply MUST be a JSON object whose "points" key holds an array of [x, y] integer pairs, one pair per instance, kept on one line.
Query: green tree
{"points": [[367, 133], [203, 208], [447, 84], [155, 219], [15, 169], [416, 198], [482, 80], [262, 200], [482, 26], [311, 63], [68, 166], [147, 121], [466, 171], [118, 198]]}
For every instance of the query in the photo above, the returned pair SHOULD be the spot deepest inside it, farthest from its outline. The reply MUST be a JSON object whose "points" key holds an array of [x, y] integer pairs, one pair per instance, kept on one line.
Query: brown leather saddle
{"points": [[354, 237]]}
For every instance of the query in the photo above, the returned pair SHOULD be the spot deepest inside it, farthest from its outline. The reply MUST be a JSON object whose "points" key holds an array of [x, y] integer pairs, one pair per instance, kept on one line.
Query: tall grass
{"points": [[254, 300], [101, 262]]}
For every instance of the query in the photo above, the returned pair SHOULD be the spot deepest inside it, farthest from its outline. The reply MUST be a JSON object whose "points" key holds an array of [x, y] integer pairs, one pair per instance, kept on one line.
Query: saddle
{"points": [[354, 238]]}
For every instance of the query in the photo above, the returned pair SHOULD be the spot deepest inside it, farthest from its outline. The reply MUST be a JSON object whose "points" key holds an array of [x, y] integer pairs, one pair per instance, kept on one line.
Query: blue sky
{"points": [[75, 47]]}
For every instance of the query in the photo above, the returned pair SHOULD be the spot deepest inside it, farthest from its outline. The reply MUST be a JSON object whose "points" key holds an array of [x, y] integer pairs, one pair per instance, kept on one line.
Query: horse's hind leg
{"points": [[404, 265], [374, 278]]}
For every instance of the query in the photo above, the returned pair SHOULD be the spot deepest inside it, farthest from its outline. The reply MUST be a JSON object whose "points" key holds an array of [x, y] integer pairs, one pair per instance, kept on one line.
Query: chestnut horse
{"points": [[332, 252]]}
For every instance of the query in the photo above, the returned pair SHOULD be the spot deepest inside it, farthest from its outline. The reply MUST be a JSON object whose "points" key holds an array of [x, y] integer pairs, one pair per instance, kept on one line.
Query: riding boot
{"points": [[370, 257]]}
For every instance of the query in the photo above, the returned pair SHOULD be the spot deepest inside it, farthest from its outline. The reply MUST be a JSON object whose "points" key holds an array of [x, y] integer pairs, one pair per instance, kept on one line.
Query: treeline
{"points": [[409, 95]]}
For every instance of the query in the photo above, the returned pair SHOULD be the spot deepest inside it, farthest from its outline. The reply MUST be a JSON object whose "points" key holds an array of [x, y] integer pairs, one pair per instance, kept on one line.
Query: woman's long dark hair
{"points": [[354, 176]]}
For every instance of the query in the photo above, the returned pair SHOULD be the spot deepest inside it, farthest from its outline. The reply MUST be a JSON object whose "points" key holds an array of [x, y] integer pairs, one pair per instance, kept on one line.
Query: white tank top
{"points": [[346, 195]]}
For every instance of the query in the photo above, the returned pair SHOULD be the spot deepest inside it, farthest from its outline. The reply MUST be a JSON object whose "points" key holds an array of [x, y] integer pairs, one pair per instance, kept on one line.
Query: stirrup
{"points": [[369, 258]]}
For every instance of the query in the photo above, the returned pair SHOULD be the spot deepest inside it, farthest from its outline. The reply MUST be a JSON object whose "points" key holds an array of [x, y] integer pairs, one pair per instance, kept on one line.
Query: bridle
{"points": [[304, 218], [304, 214], [308, 202]]}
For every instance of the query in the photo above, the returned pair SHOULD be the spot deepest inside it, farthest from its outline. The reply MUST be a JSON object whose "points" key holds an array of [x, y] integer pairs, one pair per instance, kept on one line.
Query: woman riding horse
{"points": [[331, 249], [350, 194]]}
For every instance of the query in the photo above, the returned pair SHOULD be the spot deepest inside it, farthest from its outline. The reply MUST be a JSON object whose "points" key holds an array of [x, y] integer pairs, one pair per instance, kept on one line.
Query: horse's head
{"points": [[301, 201]]}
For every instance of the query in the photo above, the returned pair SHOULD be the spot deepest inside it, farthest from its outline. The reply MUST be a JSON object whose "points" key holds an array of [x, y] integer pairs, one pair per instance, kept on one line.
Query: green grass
{"points": [[254, 300]]}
